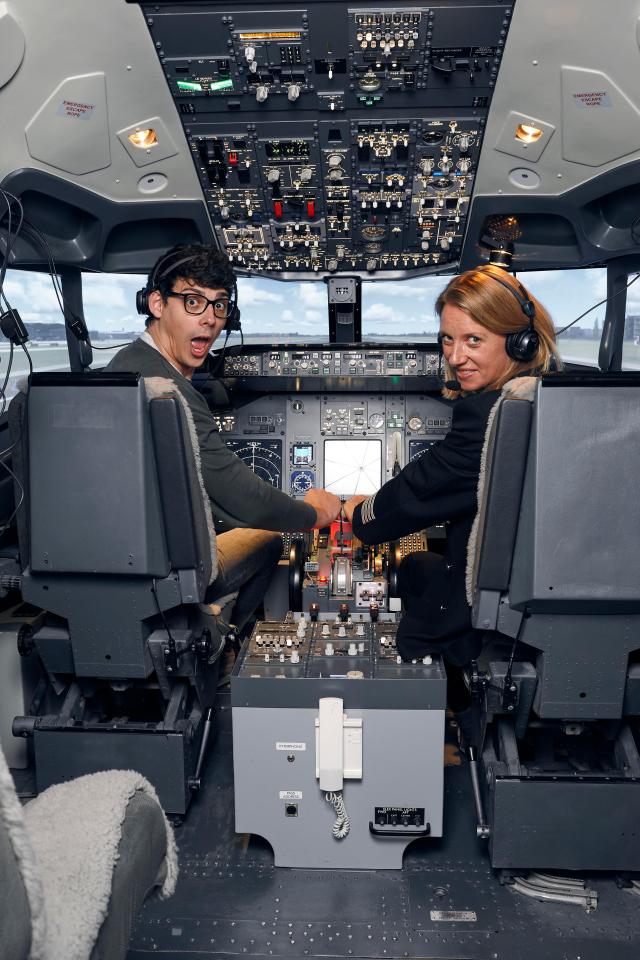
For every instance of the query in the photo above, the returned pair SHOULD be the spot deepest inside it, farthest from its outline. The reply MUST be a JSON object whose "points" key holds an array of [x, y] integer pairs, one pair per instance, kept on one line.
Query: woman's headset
{"points": [[142, 296], [522, 345]]}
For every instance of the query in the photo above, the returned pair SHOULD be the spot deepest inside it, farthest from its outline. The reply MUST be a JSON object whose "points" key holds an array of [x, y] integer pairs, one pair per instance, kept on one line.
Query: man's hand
{"points": [[351, 504], [326, 505]]}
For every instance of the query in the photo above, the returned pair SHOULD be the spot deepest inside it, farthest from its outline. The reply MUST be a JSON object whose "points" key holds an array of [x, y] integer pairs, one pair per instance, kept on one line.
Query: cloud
{"points": [[314, 318], [287, 316], [312, 295], [427, 288], [32, 293], [97, 292], [379, 313], [249, 293]]}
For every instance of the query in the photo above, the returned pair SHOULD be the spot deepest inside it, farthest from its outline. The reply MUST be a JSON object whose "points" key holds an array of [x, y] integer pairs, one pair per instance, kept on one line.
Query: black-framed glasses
{"points": [[196, 303]]}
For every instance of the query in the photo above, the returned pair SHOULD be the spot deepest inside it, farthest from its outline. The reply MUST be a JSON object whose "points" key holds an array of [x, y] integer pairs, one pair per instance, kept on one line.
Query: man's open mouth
{"points": [[200, 346]]}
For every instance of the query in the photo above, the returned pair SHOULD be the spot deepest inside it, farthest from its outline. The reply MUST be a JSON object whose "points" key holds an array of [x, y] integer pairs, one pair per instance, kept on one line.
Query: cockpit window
{"points": [[110, 311], [277, 312], [402, 310], [405, 310], [567, 294], [631, 343], [32, 295]]}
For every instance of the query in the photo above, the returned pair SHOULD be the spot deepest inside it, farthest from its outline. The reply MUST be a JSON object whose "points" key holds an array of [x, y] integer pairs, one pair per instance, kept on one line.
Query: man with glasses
{"points": [[189, 299]]}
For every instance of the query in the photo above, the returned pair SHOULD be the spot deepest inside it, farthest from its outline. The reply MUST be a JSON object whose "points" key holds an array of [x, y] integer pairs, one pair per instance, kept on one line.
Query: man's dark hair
{"points": [[206, 266]]}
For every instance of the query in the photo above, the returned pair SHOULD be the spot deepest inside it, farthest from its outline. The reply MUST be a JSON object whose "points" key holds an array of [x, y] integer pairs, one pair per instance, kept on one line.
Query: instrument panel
{"points": [[350, 429], [334, 137]]}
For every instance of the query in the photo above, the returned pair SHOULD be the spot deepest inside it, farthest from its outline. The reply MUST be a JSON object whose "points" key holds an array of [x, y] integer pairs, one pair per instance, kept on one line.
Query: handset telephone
{"points": [[334, 732]]}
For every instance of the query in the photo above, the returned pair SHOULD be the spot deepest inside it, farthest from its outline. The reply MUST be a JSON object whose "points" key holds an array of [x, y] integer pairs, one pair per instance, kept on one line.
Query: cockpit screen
{"points": [[352, 466], [302, 454]]}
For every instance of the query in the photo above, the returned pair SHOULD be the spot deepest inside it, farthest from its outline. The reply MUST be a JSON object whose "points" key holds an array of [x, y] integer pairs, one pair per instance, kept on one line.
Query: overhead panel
{"points": [[334, 137]]}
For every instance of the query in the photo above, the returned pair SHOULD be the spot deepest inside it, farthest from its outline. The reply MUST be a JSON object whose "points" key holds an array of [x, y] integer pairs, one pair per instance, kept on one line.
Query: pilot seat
{"points": [[117, 547], [554, 581]]}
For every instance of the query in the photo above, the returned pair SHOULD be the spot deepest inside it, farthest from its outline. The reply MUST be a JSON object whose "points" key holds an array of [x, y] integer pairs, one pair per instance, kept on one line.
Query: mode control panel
{"points": [[287, 362]]}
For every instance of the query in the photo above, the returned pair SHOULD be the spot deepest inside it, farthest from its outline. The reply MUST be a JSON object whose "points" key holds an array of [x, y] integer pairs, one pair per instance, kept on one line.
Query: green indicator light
{"points": [[189, 85], [395, 379], [222, 84]]}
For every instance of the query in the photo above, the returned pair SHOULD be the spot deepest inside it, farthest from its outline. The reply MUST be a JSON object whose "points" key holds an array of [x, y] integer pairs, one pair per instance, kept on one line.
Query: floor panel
{"points": [[446, 902]]}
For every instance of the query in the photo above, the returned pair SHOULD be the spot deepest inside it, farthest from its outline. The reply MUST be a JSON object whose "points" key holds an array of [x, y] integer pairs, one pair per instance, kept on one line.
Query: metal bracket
{"points": [[509, 696]]}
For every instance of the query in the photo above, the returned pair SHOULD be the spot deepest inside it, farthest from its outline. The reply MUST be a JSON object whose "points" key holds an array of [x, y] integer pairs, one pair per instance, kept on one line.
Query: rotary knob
{"points": [[335, 160], [262, 92], [305, 174], [463, 164], [249, 54], [464, 143], [273, 176], [445, 164], [293, 92], [426, 165], [445, 243]]}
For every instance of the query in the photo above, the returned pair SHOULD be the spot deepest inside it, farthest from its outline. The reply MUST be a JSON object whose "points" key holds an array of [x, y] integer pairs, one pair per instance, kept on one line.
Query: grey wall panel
{"points": [[64, 43]]}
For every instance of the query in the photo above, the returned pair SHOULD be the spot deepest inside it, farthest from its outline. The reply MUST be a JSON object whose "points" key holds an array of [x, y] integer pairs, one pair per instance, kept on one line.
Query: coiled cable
{"points": [[342, 824]]}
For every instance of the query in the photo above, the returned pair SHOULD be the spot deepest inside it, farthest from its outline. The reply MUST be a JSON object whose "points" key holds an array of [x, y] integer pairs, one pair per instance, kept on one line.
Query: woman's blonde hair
{"points": [[490, 304]]}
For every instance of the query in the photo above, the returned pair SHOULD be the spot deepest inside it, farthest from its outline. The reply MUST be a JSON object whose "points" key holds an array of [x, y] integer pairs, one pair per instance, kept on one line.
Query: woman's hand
{"points": [[351, 504]]}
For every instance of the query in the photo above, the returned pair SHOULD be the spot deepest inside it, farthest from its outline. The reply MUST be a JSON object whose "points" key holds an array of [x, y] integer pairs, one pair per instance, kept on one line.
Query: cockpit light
{"points": [[528, 133], [143, 139]]}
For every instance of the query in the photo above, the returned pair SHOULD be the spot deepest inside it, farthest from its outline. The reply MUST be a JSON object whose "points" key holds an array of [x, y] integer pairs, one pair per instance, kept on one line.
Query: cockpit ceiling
{"points": [[323, 138]]}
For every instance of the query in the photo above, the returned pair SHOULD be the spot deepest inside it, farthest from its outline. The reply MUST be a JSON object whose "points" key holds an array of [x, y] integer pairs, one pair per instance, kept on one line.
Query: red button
{"points": [[311, 209], [277, 207], [233, 159]]}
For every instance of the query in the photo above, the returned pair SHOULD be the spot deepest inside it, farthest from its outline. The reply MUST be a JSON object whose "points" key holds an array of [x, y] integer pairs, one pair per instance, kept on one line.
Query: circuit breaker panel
{"points": [[345, 740]]}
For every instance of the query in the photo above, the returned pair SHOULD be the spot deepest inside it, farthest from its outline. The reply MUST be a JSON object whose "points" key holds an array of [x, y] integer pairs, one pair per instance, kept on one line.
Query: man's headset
{"points": [[522, 345], [142, 296]]}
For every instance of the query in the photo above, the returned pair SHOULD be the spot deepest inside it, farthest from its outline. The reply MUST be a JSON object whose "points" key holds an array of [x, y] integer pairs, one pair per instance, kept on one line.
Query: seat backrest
{"points": [[576, 547], [113, 481], [555, 560], [113, 504]]}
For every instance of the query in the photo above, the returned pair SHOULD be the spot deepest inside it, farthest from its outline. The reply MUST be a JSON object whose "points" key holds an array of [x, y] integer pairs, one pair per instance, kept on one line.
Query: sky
{"points": [[297, 310]]}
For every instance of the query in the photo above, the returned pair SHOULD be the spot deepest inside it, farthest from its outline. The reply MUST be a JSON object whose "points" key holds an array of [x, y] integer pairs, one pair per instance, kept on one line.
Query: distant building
{"points": [[632, 329]]}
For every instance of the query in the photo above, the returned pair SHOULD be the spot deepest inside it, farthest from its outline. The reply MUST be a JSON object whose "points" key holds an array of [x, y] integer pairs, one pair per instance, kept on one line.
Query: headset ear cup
{"points": [[523, 345], [142, 301]]}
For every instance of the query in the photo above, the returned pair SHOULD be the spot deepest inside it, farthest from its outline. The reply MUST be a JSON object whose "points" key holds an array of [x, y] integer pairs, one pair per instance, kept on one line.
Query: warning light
{"points": [[143, 138], [311, 209], [528, 133], [277, 208], [322, 579], [233, 158]]}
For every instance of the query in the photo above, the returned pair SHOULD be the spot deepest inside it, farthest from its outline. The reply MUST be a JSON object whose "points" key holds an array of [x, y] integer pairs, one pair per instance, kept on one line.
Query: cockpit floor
{"points": [[231, 901]]}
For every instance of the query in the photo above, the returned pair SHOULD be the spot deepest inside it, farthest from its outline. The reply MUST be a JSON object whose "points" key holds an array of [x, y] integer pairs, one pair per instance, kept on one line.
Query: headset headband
{"points": [[142, 296]]}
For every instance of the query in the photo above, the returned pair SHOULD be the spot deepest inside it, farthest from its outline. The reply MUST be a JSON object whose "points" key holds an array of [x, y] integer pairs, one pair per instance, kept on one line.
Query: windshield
{"points": [[278, 312]]}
